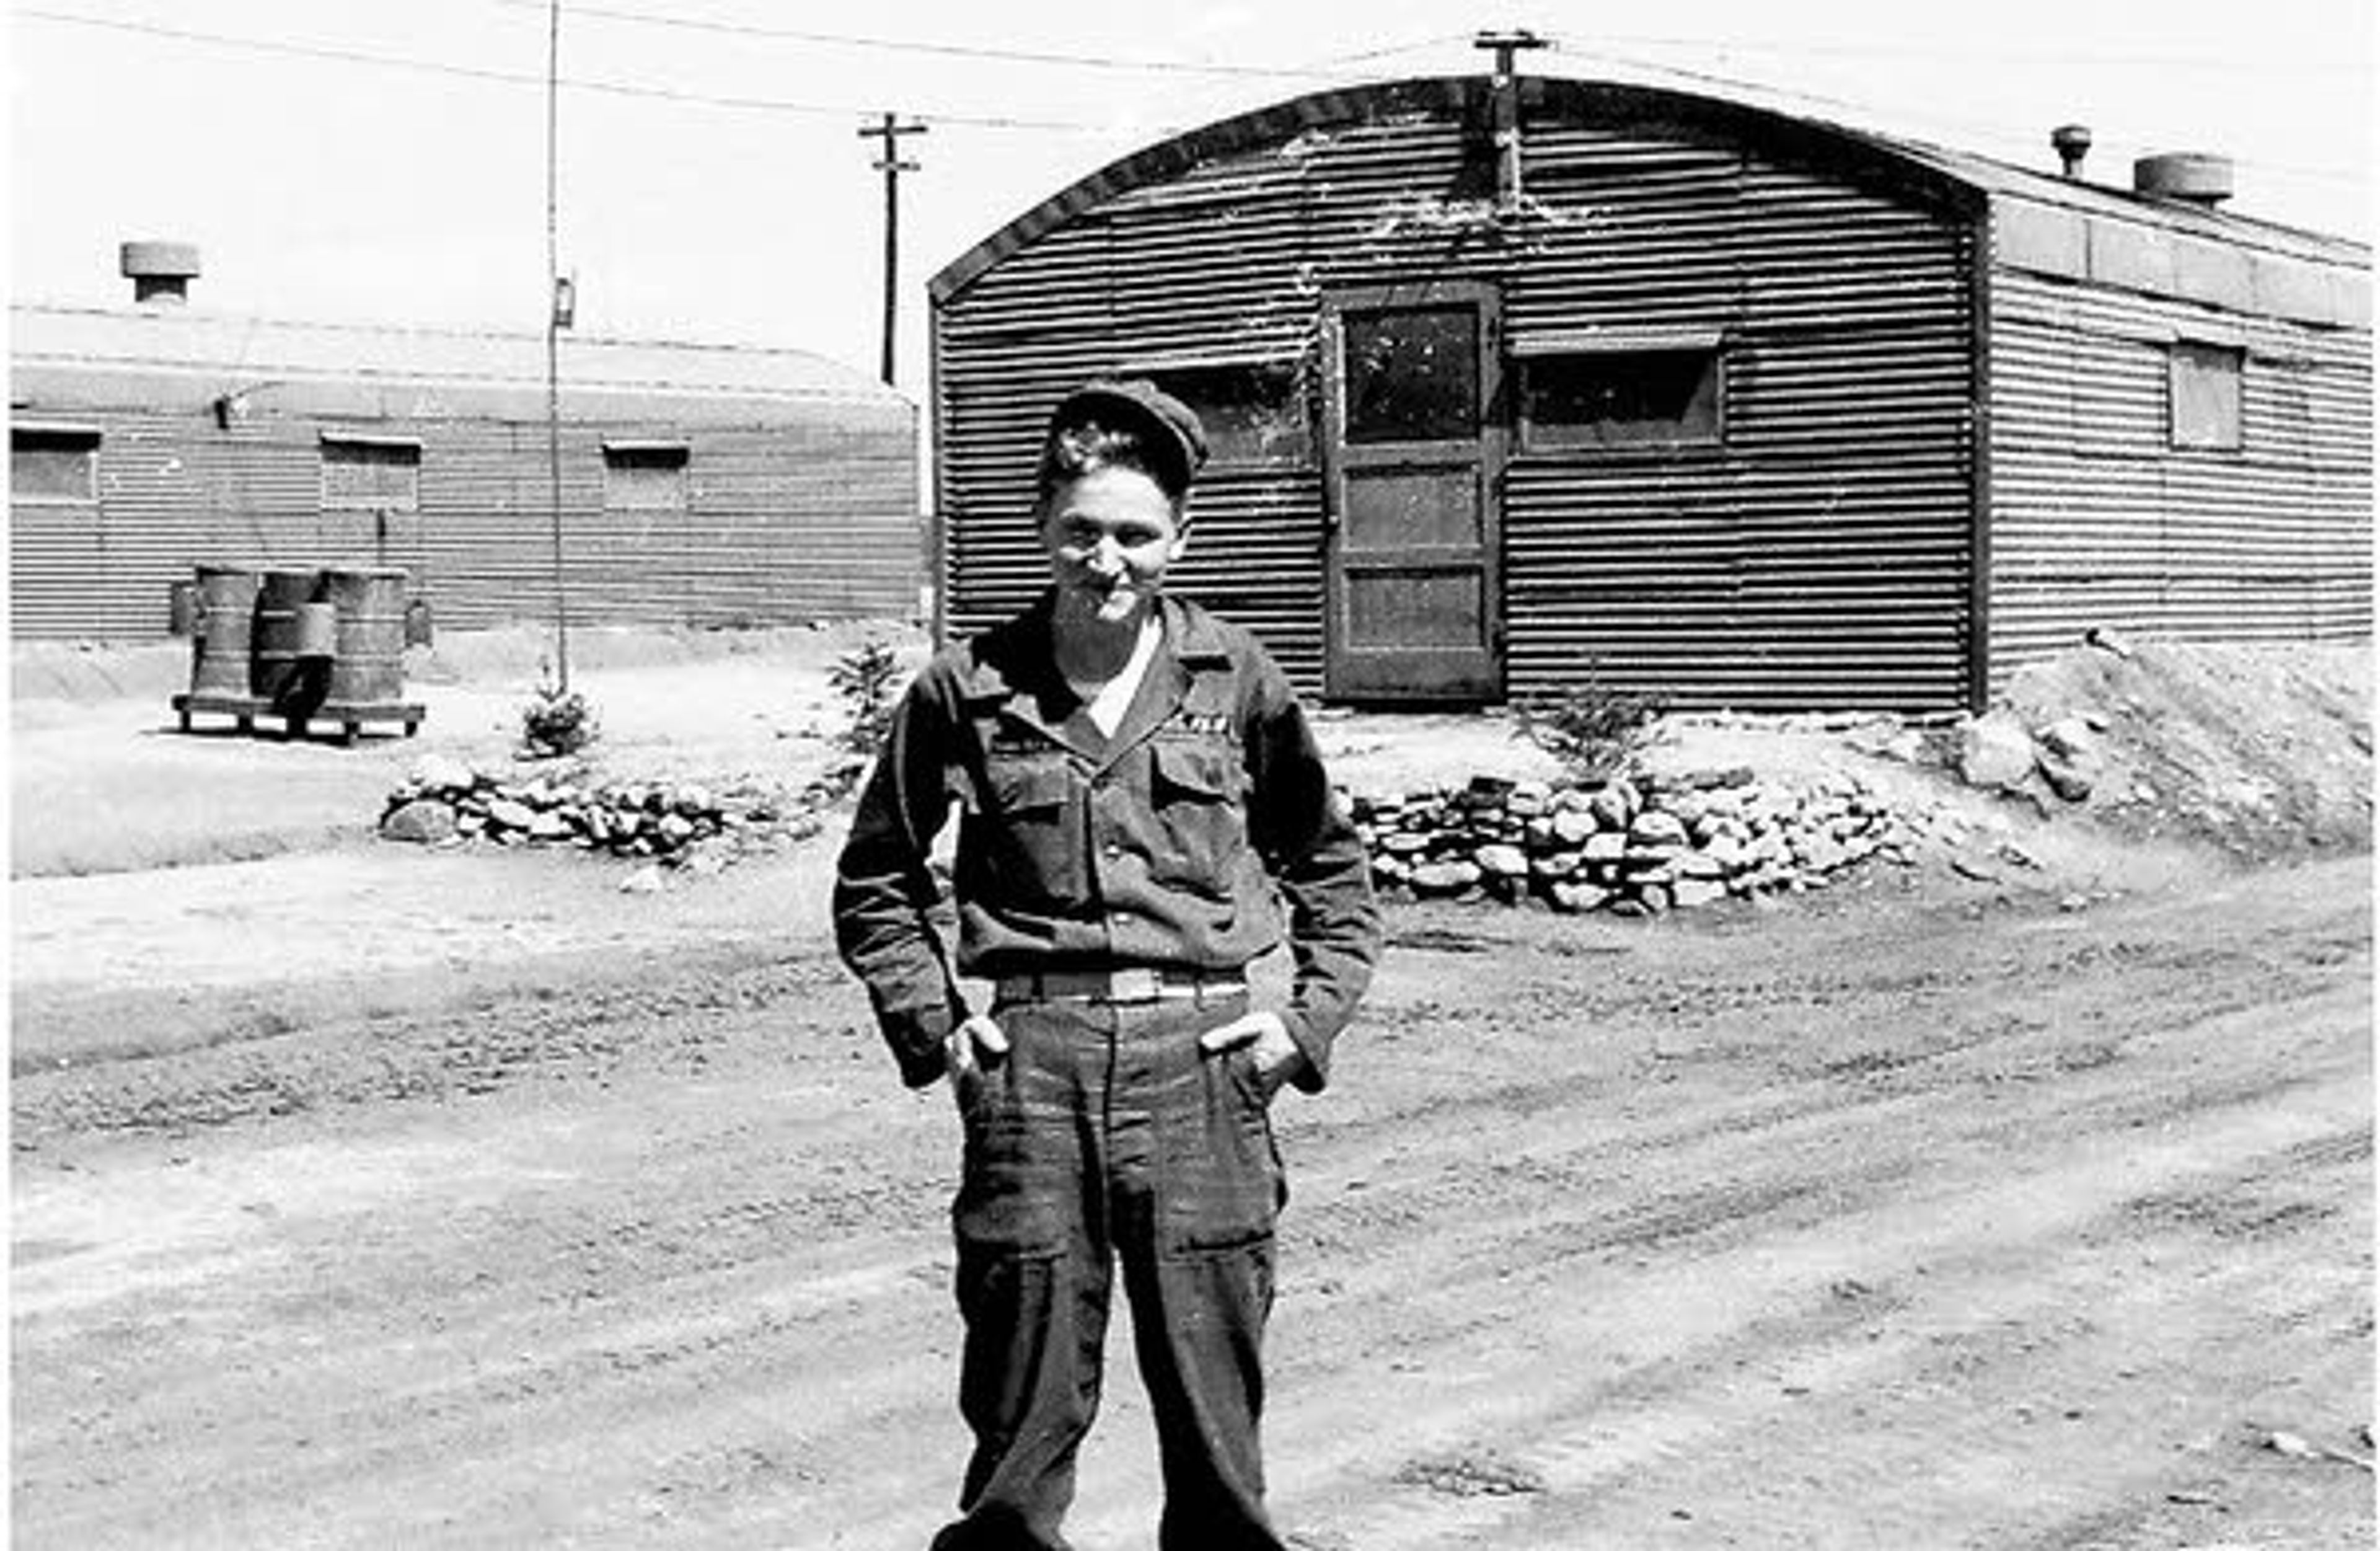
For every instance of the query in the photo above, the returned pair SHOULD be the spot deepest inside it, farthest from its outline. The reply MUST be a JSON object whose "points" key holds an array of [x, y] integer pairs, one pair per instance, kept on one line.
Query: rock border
{"points": [[1635, 845], [678, 825]]}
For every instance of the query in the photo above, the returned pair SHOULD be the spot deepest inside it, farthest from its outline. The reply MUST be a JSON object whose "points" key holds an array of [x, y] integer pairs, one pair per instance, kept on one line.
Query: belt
{"points": [[1142, 983]]}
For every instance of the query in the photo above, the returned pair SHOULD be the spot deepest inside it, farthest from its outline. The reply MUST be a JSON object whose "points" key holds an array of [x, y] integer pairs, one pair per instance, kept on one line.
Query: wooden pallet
{"points": [[352, 715], [349, 717], [242, 709]]}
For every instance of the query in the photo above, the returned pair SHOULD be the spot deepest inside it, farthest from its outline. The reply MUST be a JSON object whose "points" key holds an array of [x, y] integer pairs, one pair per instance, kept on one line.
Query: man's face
{"points": [[1110, 535]]}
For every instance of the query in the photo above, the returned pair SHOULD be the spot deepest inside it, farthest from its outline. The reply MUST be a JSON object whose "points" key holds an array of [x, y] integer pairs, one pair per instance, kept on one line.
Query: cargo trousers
{"points": [[1107, 1137]]}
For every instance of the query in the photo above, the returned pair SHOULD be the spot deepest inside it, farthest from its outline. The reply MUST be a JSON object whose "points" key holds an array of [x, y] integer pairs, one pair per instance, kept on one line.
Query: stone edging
{"points": [[1634, 846]]}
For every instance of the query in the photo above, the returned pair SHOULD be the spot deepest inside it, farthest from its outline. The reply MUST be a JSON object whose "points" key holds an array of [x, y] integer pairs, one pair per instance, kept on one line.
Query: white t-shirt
{"points": [[1106, 703]]}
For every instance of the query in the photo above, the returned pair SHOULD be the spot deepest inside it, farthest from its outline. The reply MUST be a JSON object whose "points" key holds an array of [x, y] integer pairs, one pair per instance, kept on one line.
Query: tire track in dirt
{"points": [[468, 1352], [2116, 1106], [1598, 1225], [1707, 1324]]}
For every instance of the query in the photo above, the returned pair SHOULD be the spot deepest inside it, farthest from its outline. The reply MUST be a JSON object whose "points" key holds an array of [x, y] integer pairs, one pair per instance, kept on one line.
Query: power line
{"points": [[1998, 132], [514, 77], [1365, 56], [2227, 65], [912, 46], [1739, 83]]}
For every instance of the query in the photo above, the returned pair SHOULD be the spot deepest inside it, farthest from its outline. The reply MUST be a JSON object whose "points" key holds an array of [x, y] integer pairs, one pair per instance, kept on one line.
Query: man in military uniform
{"points": [[1142, 811]]}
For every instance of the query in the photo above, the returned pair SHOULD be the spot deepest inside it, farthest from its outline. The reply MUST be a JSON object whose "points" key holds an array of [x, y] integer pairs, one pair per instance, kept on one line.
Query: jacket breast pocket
{"points": [[1030, 826], [1198, 793]]}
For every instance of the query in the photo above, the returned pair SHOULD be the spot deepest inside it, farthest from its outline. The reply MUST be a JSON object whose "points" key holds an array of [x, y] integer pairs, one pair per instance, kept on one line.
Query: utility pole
{"points": [[890, 165], [1507, 111], [556, 320]]}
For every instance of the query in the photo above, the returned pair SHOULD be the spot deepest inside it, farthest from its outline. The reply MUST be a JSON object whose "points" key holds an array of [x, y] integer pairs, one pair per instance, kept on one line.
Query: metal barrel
{"points": [[182, 608], [226, 602], [279, 672], [370, 666], [318, 629]]}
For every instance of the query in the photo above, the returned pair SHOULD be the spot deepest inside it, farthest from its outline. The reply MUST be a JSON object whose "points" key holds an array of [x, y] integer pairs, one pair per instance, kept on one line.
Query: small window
{"points": [[644, 476], [1253, 411], [52, 464], [1413, 374], [370, 474], [2204, 395], [1621, 397]]}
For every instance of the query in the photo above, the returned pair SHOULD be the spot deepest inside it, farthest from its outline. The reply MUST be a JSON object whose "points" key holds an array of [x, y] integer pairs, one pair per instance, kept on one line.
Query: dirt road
{"points": [[1874, 1221]]}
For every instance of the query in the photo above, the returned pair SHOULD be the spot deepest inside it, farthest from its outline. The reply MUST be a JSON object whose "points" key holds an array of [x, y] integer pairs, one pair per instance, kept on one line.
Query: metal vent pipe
{"points": [[2073, 142], [2197, 178], [161, 273]]}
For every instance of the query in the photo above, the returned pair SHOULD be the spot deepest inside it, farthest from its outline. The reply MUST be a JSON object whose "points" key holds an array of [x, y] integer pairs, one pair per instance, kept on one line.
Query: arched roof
{"points": [[1946, 178]]}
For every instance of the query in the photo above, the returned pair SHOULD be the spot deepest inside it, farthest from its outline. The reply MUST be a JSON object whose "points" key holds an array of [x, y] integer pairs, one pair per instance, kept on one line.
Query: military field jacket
{"points": [[1189, 840]]}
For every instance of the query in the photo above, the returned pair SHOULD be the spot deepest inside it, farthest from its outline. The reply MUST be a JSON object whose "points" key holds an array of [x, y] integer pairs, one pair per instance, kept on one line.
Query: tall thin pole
{"points": [[554, 342], [890, 165]]}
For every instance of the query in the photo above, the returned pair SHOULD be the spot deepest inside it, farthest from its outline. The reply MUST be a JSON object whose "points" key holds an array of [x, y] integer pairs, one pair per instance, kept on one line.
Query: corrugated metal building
{"points": [[1746, 408], [700, 485]]}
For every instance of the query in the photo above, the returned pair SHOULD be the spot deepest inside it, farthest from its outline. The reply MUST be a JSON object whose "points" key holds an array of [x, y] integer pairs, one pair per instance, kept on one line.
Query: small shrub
{"points": [[1595, 731], [557, 722], [868, 681]]}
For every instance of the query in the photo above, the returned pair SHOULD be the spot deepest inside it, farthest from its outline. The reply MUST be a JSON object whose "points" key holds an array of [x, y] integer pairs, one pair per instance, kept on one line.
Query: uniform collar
{"points": [[1193, 634], [1014, 667]]}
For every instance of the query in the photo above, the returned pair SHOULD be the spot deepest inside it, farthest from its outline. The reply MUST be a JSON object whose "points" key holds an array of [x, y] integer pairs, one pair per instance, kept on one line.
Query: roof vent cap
{"points": [[160, 272], [2073, 142], [2198, 177]]}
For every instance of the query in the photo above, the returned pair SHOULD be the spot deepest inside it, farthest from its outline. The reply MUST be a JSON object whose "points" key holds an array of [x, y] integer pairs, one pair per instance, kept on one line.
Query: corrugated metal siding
{"points": [[1147, 277], [1041, 326], [167, 499], [784, 523], [2097, 521], [1820, 557]]}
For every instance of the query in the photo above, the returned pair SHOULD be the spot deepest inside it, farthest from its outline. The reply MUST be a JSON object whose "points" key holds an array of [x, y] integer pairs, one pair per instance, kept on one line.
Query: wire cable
{"points": [[1999, 133], [1325, 70], [514, 77], [901, 46], [1366, 57], [2227, 65]]}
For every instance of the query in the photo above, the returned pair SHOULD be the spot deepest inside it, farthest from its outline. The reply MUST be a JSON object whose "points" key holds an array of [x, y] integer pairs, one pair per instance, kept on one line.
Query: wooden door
{"points": [[1412, 459]]}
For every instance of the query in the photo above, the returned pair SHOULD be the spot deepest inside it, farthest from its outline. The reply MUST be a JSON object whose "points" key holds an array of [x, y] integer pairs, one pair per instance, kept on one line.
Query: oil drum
{"points": [[219, 637], [282, 674], [370, 666], [182, 608]]}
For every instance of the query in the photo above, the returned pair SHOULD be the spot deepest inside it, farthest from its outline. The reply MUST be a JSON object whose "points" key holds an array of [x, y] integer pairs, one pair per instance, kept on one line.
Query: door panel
{"points": [[1403, 611], [1392, 508], [1412, 457]]}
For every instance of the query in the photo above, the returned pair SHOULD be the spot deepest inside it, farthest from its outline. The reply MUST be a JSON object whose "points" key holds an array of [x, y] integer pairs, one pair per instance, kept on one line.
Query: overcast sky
{"points": [[386, 162]]}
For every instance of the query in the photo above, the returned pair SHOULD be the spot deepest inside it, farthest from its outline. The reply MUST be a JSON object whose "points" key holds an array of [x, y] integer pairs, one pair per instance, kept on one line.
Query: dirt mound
{"points": [[2202, 757], [2262, 752]]}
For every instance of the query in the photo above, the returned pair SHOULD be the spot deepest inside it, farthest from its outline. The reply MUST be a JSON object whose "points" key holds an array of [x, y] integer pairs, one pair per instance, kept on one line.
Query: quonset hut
{"points": [[1694, 396], [700, 485]]}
